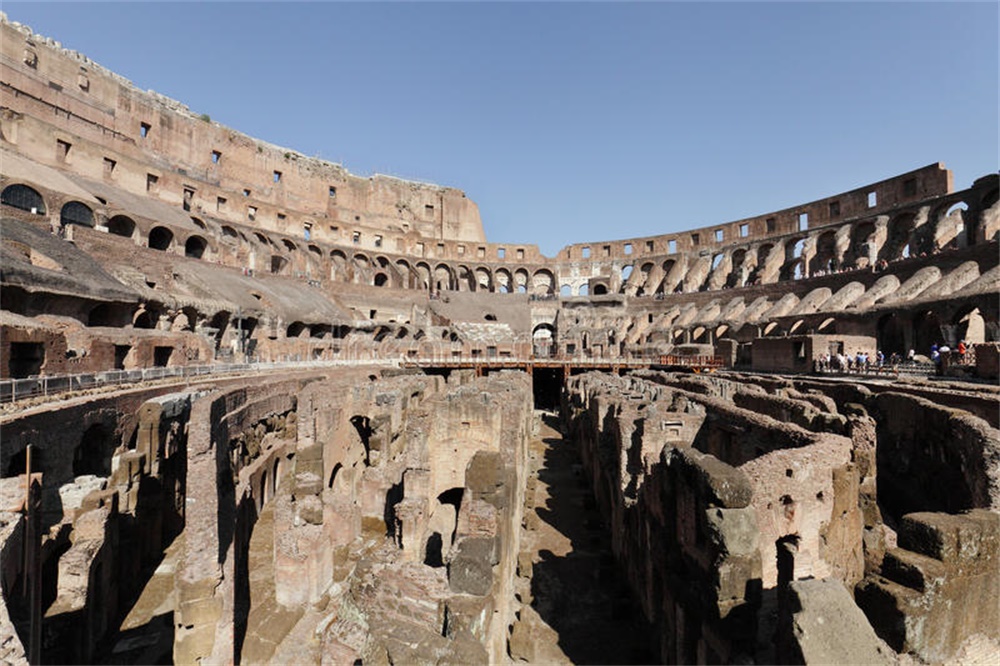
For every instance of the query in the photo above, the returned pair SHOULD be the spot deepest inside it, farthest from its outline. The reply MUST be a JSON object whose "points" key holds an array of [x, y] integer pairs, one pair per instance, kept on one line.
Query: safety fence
{"points": [[12, 390]]}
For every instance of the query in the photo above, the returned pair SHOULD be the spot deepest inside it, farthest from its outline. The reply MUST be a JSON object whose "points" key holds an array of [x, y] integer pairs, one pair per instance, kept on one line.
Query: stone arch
{"points": [[793, 269], [195, 246], [280, 265], [160, 238], [466, 279], [380, 279], [289, 245], [543, 339], [121, 225], [543, 282], [229, 232], [405, 273], [898, 237], [665, 286], [423, 270], [484, 279], [24, 198], [444, 278], [76, 212], [738, 273], [970, 325], [521, 280], [295, 329], [504, 281], [642, 281], [825, 259], [862, 239], [566, 291]]}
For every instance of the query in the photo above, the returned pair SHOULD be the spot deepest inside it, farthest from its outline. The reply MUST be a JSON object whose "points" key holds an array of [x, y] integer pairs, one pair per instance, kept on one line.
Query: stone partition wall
{"points": [[697, 488]]}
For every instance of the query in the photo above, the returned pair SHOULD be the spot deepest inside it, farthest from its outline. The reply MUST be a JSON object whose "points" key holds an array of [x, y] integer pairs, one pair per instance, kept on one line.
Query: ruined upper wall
{"points": [[867, 201], [63, 110]]}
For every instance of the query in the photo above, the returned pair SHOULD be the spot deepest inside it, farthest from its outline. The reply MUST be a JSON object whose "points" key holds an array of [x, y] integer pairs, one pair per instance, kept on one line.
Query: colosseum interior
{"points": [[256, 409]]}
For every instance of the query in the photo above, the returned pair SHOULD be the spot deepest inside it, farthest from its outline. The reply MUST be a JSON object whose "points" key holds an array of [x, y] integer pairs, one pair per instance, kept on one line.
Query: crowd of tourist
{"points": [[861, 362]]}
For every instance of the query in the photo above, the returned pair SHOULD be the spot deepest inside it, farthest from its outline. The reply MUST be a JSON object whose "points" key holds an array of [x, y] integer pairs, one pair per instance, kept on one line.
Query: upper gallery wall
{"points": [[64, 111]]}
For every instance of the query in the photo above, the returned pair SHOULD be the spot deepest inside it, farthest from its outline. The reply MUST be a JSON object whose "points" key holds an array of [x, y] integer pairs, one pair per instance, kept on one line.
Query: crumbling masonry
{"points": [[258, 409]]}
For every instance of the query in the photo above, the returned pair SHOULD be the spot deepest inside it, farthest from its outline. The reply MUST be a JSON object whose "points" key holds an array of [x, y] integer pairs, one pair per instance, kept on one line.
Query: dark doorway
{"points": [[161, 356], [547, 384], [26, 359], [121, 351]]}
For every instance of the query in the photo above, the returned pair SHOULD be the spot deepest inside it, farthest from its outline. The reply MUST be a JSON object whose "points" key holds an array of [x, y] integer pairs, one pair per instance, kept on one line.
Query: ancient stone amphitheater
{"points": [[256, 409]]}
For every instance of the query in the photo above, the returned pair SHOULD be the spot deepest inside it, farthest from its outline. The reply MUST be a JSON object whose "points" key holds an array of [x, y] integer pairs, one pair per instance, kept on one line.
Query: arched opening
{"points": [[600, 289], [120, 225], [160, 238], [898, 238], [584, 290], [971, 327], [543, 282], [194, 247], [199, 223], [93, 454], [543, 340], [862, 245], [289, 245], [23, 197], [279, 265], [75, 212], [891, 337], [381, 279], [626, 272], [229, 232], [443, 279], [565, 290], [295, 329], [824, 261], [926, 332], [145, 319]]}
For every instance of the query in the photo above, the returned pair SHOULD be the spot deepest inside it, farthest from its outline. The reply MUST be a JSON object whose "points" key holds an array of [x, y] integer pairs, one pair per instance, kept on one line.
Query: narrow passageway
{"points": [[577, 607]]}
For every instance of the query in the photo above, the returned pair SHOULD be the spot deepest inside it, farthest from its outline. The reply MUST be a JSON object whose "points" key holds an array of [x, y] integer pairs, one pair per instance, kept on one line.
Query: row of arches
{"points": [[847, 247]]}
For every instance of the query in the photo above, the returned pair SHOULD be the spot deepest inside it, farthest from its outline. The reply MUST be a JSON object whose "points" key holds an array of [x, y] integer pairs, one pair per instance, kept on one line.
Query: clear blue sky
{"points": [[578, 122]]}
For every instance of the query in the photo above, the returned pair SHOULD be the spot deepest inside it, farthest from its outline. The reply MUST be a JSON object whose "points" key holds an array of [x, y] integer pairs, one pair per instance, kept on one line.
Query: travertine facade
{"points": [[273, 411]]}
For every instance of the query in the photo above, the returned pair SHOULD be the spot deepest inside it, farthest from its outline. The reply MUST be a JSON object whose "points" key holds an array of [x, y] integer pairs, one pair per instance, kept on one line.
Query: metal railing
{"points": [[12, 390]]}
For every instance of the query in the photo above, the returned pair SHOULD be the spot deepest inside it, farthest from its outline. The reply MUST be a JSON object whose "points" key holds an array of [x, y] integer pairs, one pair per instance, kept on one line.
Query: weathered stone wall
{"points": [[934, 458], [939, 588], [786, 488]]}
